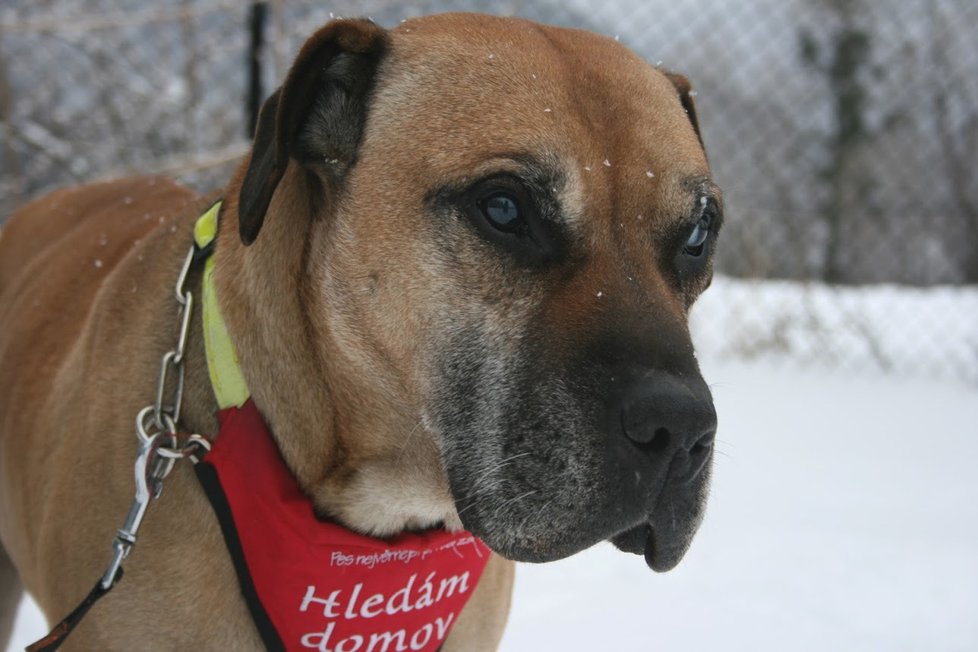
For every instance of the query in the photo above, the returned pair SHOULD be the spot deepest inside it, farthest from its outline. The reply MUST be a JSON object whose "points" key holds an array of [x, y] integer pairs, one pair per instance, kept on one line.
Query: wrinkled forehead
{"points": [[461, 90]]}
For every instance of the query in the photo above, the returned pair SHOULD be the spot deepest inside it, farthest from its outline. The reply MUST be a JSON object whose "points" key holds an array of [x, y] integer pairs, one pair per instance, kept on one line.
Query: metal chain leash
{"points": [[156, 430]]}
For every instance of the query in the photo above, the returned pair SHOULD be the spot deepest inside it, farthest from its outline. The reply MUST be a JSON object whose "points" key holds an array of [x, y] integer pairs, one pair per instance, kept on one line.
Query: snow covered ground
{"points": [[842, 517], [844, 508]]}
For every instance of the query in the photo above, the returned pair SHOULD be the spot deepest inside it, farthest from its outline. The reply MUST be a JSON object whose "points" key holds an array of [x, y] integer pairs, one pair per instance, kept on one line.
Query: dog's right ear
{"points": [[316, 117]]}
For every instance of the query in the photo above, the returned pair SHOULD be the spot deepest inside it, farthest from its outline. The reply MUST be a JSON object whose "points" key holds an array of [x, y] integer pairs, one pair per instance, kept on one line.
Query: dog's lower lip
{"points": [[641, 540]]}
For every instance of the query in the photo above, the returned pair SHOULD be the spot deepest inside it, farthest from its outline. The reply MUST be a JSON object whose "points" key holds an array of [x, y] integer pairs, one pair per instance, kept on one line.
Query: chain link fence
{"points": [[843, 132]]}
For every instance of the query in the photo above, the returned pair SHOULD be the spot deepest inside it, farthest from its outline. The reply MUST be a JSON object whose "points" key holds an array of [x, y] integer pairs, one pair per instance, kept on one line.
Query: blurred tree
{"points": [[9, 167], [958, 137], [843, 62]]}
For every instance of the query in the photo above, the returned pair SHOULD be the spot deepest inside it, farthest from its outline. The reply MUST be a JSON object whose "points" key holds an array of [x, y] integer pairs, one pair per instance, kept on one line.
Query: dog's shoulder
{"points": [[58, 252], [73, 224]]}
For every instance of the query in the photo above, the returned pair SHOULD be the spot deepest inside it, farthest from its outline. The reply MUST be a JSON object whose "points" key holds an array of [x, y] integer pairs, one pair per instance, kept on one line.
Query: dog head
{"points": [[502, 229]]}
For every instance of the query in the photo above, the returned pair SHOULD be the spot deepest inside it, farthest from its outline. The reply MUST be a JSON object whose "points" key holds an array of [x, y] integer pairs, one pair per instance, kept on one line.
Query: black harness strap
{"points": [[207, 475]]}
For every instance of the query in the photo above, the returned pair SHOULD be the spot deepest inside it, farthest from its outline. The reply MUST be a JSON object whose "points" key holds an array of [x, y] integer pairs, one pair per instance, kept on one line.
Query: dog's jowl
{"points": [[451, 280]]}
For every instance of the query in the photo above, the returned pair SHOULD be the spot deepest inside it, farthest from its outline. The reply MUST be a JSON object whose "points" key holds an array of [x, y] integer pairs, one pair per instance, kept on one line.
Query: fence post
{"points": [[280, 46], [11, 174], [256, 23], [188, 29]]}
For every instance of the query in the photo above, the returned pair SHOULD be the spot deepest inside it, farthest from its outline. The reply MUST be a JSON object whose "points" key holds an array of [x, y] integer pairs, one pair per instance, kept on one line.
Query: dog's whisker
{"points": [[468, 507], [501, 506], [411, 434], [510, 501], [534, 515], [486, 473], [502, 463], [470, 499]]}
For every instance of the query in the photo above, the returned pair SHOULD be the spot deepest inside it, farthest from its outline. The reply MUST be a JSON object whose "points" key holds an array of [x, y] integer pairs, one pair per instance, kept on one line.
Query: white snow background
{"points": [[844, 506]]}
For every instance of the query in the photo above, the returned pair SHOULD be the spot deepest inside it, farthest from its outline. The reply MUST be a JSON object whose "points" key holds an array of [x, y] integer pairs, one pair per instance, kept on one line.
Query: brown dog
{"points": [[456, 268]]}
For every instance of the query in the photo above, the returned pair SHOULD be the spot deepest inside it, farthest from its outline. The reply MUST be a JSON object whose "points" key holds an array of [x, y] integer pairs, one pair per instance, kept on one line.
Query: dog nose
{"points": [[670, 419]]}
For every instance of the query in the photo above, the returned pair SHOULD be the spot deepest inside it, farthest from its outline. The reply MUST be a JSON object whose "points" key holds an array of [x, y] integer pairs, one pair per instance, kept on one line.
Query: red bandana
{"points": [[312, 584]]}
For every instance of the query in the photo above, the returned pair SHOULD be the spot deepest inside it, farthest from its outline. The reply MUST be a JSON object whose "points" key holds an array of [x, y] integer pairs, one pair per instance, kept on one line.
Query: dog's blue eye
{"points": [[697, 238], [506, 212], [502, 211]]}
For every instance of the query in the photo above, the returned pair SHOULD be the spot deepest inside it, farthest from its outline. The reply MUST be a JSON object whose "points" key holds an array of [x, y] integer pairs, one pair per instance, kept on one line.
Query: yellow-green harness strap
{"points": [[229, 384]]}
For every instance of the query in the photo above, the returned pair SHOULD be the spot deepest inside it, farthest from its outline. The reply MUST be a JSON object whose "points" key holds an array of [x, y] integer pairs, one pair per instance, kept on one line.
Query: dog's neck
{"points": [[280, 364], [316, 407]]}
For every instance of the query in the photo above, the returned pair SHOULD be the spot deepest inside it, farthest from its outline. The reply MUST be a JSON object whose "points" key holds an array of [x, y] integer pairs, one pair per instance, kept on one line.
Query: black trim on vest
{"points": [[209, 481]]}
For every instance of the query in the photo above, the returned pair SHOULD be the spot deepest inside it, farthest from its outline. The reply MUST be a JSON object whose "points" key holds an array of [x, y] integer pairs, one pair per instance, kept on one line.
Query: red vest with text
{"points": [[315, 585]]}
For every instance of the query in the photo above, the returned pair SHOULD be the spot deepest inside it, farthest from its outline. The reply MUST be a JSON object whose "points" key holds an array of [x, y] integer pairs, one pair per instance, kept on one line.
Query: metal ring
{"points": [[198, 443], [147, 417], [171, 453], [170, 425], [163, 469], [188, 449], [199, 440], [141, 430]]}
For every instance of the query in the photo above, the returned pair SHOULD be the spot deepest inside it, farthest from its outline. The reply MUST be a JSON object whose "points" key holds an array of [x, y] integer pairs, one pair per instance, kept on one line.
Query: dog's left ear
{"points": [[316, 117], [685, 90]]}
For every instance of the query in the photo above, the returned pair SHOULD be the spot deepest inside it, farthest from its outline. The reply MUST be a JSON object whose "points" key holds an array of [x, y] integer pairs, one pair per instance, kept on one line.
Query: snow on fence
{"points": [[908, 331]]}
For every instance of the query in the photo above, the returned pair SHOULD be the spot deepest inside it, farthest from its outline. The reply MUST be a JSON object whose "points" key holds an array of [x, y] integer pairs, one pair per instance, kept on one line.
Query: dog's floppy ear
{"points": [[685, 90], [316, 117]]}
